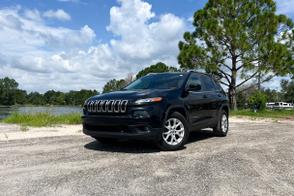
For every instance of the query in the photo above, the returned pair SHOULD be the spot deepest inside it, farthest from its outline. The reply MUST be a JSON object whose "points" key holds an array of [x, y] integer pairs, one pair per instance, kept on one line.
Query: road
{"points": [[256, 158]]}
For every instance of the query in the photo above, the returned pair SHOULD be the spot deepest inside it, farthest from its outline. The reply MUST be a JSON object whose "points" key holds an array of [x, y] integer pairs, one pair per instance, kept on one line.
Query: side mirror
{"points": [[194, 87]]}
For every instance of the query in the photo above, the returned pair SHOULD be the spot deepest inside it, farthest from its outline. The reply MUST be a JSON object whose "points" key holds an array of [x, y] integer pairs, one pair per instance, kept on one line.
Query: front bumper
{"points": [[121, 127]]}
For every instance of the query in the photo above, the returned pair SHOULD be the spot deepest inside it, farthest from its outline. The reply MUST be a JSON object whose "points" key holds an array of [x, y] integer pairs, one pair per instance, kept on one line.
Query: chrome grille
{"points": [[103, 106]]}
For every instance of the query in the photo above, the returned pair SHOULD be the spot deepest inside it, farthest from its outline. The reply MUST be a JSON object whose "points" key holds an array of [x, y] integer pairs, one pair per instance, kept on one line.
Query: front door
{"points": [[197, 102]]}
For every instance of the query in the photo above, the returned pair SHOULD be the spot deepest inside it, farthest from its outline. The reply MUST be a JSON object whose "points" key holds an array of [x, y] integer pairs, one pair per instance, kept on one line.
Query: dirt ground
{"points": [[256, 158]]}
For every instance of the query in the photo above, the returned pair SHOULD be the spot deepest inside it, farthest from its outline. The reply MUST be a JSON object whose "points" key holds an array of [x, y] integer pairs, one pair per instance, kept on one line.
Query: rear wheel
{"points": [[175, 133], [222, 126]]}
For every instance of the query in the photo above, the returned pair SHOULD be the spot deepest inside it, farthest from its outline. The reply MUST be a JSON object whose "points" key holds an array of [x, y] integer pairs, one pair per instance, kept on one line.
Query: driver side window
{"points": [[193, 80]]}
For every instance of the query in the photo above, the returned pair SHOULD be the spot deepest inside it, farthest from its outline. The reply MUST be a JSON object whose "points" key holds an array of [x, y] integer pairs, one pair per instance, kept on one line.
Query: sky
{"points": [[81, 44]]}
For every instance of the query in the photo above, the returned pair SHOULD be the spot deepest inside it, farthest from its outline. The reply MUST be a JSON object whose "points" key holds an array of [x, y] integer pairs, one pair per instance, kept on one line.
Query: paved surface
{"points": [[254, 159]]}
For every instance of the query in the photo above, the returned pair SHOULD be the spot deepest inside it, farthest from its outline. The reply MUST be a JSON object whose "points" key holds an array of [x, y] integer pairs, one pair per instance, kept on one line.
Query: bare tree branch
{"points": [[240, 67], [244, 81], [226, 66], [265, 80], [224, 83], [225, 74]]}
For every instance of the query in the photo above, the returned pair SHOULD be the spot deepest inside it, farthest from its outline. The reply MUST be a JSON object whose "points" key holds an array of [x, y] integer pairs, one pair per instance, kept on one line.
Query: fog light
{"points": [[141, 114]]}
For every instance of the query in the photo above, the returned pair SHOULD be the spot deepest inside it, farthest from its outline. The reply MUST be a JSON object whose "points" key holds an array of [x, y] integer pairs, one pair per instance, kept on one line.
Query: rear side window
{"points": [[208, 83], [194, 79]]}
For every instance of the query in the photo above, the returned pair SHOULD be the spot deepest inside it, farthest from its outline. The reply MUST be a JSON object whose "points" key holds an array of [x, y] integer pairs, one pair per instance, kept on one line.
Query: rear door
{"points": [[213, 96]]}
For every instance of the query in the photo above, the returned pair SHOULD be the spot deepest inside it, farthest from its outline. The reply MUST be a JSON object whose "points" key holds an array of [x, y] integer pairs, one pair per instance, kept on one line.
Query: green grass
{"points": [[47, 119], [265, 113], [42, 119]]}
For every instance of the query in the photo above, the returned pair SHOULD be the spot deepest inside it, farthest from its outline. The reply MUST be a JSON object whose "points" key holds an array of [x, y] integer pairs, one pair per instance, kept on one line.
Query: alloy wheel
{"points": [[174, 132], [224, 123]]}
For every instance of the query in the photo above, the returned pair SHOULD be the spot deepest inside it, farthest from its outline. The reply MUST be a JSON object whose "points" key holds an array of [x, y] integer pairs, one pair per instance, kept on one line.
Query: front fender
{"points": [[179, 108]]}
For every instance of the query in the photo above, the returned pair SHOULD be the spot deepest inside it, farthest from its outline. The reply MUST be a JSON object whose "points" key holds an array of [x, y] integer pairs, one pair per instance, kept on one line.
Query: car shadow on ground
{"points": [[130, 146], [133, 146], [200, 135]]}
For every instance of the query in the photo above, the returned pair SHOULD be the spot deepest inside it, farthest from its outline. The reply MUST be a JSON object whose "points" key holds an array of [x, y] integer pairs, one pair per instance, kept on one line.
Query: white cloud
{"points": [[138, 38], [30, 48], [33, 14], [41, 57], [285, 6], [57, 14], [30, 34]]}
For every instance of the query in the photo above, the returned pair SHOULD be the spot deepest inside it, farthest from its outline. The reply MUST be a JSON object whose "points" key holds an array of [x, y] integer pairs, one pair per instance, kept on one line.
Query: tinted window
{"points": [[208, 83], [194, 80], [157, 81]]}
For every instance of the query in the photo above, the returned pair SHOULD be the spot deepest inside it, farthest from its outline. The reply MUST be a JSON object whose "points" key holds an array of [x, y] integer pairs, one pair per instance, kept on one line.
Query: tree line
{"points": [[10, 94]]}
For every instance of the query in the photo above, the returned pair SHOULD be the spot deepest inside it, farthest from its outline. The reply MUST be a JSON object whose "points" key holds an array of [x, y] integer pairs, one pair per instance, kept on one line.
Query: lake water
{"points": [[55, 110]]}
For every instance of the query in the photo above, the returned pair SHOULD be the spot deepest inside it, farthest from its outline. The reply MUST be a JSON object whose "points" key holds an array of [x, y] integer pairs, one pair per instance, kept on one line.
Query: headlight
{"points": [[148, 100]]}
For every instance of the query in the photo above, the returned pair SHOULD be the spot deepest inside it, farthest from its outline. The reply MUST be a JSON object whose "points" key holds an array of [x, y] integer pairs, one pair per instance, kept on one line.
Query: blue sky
{"points": [[95, 13], [75, 44]]}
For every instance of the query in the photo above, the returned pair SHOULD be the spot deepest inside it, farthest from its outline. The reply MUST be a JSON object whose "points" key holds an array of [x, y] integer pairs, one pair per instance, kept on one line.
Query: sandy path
{"points": [[16, 132]]}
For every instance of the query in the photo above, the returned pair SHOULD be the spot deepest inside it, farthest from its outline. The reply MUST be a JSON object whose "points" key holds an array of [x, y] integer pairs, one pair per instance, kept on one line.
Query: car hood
{"points": [[131, 95]]}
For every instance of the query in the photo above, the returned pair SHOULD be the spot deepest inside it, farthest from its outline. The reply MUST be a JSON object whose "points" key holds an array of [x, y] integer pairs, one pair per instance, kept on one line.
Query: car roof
{"points": [[183, 73]]}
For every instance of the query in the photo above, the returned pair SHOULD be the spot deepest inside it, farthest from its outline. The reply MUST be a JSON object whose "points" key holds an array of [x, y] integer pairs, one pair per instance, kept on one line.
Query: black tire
{"points": [[219, 129], [105, 140], [162, 143]]}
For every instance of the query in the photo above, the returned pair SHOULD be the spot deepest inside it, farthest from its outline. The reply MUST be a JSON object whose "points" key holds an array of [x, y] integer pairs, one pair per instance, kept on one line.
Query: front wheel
{"points": [[175, 133], [222, 126]]}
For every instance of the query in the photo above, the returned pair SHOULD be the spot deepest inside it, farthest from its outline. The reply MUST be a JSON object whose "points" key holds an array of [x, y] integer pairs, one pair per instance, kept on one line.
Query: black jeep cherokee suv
{"points": [[162, 107]]}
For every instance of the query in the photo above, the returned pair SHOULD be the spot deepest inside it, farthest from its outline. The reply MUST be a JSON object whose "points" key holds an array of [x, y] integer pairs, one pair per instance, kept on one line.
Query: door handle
{"points": [[219, 95], [205, 96]]}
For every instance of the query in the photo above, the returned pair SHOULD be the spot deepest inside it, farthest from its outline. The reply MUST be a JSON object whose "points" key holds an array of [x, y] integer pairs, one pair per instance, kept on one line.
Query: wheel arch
{"points": [[225, 108], [178, 109]]}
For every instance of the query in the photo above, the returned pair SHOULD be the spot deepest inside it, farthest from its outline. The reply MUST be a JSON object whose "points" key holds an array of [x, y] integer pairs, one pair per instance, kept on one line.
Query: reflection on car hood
{"points": [[132, 94]]}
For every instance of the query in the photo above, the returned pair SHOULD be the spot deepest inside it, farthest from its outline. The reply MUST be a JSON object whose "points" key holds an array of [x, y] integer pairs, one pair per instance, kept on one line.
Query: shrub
{"points": [[257, 100]]}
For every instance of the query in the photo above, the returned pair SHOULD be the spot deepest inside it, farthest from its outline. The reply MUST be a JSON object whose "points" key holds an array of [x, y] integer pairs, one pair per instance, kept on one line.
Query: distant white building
{"points": [[279, 105]]}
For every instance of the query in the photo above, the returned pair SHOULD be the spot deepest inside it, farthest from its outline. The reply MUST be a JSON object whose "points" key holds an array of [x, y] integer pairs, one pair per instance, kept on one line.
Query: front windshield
{"points": [[157, 81]]}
